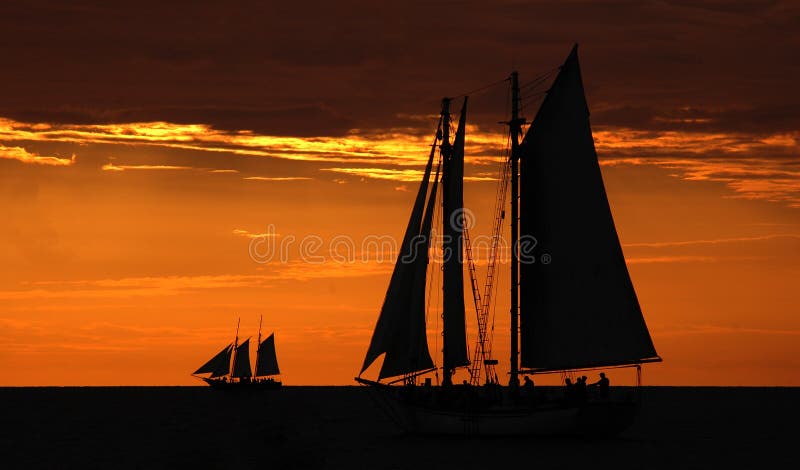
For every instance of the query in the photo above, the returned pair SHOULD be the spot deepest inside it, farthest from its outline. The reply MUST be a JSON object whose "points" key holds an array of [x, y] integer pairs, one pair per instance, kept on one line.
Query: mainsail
{"points": [[400, 331], [241, 362], [454, 331], [578, 307], [266, 359], [217, 365]]}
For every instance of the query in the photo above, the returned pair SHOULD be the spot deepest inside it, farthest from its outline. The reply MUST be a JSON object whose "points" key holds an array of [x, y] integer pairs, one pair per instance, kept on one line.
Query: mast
{"points": [[235, 345], [515, 127], [258, 347], [446, 151]]}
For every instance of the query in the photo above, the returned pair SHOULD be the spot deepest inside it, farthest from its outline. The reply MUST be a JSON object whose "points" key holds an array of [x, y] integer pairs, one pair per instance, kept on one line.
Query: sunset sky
{"points": [[146, 152]]}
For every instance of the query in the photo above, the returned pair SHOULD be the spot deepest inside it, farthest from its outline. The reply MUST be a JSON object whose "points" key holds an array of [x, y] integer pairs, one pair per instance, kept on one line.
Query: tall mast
{"points": [[446, 151], [515, 127], [235, 345], [258, 348]]}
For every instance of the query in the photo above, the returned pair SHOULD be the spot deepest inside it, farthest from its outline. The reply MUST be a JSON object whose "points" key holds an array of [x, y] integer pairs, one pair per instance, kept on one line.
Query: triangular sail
{"points": [[578, 307], [408, 351], [241, 363], [267, 360], [454, 330], [393, 330], [217, 363]]}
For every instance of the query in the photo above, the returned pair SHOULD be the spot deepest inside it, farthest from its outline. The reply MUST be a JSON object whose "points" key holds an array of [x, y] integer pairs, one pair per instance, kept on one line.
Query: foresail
{"points": [[454, 330], [241, 363], [578, 307], [394, 317], [267, 362], [409, 350], [223, 367], [217, 363]]}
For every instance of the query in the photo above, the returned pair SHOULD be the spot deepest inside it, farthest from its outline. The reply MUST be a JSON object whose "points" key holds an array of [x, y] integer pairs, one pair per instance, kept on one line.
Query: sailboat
{"points": [[573, 305], [230, 368]]}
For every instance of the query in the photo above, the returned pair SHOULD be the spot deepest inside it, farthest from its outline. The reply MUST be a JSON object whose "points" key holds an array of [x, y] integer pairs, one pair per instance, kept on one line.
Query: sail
{"points": [[266, 359], [454, 330], [217, 363], [393, 329], [409, 348], [578, 307], [241, 363]]}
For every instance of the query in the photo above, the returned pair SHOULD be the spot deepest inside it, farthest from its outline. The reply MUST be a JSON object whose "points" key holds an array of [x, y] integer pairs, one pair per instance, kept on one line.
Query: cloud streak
{"points": [[112, 167], [22, 155]]}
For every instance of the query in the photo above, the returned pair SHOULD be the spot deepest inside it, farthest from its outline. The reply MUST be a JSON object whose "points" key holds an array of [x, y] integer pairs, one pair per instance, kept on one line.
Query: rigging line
{"points": [[507, 154], [540, 78], [476, 90], [435, 275]]}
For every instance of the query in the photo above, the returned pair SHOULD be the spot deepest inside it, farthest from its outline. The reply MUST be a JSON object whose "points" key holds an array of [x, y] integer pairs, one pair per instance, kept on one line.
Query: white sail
{"points": [[578, 307], [241, 362], [266, 359], [454, 331], [400, 330], [219, 363]]}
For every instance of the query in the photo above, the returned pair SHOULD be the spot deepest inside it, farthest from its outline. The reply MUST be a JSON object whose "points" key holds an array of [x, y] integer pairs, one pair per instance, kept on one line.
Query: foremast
{"points": [[515, 129]]}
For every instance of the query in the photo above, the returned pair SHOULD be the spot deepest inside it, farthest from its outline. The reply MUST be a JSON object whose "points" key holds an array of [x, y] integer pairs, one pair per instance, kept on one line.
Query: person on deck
{"points": [[580, 389], [569, 391], [602, 385], [528, 389]]}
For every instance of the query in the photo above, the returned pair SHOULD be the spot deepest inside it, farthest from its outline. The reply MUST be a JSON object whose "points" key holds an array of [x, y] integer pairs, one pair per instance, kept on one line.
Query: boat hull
{"points": [[601, 418], [216, 384]]}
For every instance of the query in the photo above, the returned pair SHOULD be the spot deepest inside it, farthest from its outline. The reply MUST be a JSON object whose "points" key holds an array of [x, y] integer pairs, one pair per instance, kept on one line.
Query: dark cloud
{"points": [[307, 68], [777, 118]]}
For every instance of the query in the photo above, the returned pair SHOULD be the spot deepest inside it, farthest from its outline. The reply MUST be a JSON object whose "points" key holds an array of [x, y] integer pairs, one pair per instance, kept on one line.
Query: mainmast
{"points": [[446, 151], [515, 127]]}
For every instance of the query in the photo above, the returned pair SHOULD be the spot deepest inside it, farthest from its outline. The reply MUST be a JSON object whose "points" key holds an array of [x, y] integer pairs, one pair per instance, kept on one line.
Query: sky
{"points": [[168, 169]]}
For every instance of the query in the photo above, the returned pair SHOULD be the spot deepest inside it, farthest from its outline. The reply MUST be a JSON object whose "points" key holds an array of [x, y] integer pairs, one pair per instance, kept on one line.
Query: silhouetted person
{"points": [[580, 389], [528, 389], [602, 385], [527, 386], [569, 391]]}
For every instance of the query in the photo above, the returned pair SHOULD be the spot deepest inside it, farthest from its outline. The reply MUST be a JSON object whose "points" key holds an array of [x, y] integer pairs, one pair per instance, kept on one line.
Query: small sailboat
{"points": [[573, 305], [230, 368]]}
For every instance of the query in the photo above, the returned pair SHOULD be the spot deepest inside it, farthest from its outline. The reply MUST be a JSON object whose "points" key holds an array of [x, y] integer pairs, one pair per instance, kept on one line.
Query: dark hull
{"points": [[217, 384], [461, 417]]}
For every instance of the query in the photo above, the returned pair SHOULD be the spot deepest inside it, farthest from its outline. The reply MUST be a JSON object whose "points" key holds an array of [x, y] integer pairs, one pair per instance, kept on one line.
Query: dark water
{"points": [[340, 427]]}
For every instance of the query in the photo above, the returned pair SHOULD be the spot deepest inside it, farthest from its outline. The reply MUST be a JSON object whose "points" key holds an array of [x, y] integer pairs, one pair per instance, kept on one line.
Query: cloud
{"points": [[681, 330], [22, 155], [276, 178], [178, 285], [112, 167], [403, 175], [246, 234], [714, 241]]}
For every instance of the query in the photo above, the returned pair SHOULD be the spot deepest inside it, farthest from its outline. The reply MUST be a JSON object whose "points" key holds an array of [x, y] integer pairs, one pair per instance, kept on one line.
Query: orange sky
{"points": [[130, 209]]}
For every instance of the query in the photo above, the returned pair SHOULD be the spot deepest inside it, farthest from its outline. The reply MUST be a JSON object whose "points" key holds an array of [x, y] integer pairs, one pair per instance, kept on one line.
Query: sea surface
{"points": [[341, 427]]}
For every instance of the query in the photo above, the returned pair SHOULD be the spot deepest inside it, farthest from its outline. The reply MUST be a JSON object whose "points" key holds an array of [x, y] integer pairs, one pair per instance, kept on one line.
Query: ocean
{"points": [[341, 427]]}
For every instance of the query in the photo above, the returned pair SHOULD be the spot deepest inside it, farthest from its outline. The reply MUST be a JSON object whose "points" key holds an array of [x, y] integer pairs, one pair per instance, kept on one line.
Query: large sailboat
{"points": [[573, 305], [230, 368]]}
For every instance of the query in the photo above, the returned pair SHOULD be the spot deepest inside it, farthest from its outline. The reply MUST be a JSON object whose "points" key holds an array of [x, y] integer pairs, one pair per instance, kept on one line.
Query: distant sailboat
{"points": [[573, 305], [230, 368]]}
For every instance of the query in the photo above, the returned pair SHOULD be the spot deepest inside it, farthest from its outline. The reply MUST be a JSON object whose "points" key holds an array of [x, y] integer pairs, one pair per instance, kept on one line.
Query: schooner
{"points": [[230, 368], [573, 305]]}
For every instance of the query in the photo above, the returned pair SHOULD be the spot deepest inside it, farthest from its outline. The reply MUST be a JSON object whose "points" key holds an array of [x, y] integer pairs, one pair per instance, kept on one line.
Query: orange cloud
{"points": [[22, 155], [276, 178], [112, 167], [407, 176]]}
